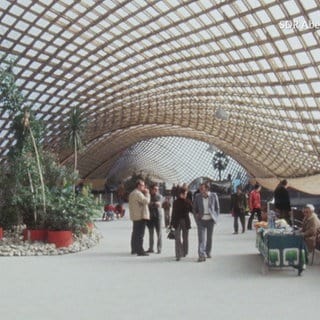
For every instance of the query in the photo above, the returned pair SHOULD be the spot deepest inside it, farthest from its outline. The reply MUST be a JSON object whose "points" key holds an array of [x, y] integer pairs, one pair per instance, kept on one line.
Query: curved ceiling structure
{"points": [[241, 75], [174, 160]]}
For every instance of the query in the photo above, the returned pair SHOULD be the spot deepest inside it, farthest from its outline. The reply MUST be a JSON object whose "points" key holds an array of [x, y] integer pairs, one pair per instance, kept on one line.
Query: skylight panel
{"points": [[293, 90], [263, 79], [14, 34], [281, 45], [238, 23], [204, 18], [17, 10], [297, 75], [26, 40], [225, 44], [228, 11], [262, 15], [132, 22], [164, 22], [295, 43], [316, 87], [315, 114], [272, 30], [234, 55], [311, 102], [315, 54], [173, 16], [253, 65], [250, 21], [226, 28], [272, 77], [314, 19], [303, 58], [247, 37], [310, 4], [5, 5], [223, 57], [311, 73], [289, 60], [309, 39], [114, 19], [80, 41], [193, 22], [215, 31], [194, 7], [80, 8], [277, 12], [245, 53], [304, 88], [280, 90]]}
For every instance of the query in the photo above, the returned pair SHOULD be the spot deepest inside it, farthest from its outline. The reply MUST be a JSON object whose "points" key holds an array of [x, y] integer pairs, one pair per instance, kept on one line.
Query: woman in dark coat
{"points": [[180, 221]]}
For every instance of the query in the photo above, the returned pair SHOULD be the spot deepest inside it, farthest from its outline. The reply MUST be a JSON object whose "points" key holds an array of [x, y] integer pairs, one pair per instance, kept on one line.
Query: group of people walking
{"points": [[242, 203], [145, 205]]}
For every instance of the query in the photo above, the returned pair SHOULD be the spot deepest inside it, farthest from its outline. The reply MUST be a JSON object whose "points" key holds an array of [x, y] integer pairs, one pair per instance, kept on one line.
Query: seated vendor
{"points": [[310, 226]]}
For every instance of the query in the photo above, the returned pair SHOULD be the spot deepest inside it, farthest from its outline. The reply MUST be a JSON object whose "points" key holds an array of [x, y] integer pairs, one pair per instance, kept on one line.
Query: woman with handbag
{"points": [[180, 221]]}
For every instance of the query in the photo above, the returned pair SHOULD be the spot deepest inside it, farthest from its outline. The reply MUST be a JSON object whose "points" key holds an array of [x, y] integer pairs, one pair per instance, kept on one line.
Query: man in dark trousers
{"points": [[282, 201], [155, 219], [139, 199], [238, 207]]}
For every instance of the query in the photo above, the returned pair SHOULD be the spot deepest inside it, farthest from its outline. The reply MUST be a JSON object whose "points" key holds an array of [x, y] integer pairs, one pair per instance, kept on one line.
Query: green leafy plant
{"points": [[68, 213], [24, 166], [35, 188]]}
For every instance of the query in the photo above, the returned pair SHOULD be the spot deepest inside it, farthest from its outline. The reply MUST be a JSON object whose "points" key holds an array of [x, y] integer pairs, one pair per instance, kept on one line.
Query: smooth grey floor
{"points": [[107, 282]]}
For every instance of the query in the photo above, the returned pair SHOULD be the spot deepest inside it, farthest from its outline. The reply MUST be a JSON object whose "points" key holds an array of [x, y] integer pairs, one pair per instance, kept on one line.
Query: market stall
{"points": [[281, 248]]}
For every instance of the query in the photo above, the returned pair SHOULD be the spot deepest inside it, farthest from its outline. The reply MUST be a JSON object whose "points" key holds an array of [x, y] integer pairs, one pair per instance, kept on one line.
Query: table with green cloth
{"points": [[282, 249]]}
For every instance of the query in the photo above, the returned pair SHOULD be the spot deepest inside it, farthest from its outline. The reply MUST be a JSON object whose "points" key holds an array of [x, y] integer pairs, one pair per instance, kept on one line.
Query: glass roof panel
{"points": [[144, 69]]}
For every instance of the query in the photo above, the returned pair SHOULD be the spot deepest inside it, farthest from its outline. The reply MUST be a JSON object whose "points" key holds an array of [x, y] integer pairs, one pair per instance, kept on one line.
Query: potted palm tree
{"points": [[75, 135], [23, 169], [36, 190]]}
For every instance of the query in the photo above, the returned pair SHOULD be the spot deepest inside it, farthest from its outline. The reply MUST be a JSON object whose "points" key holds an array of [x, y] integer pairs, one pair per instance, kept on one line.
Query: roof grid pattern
{"points": [[144, 69]]}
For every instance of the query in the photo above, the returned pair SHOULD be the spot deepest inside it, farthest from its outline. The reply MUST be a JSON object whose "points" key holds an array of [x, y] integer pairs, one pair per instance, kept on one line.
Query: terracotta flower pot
{"points": [[60, 238], [35, 235]]}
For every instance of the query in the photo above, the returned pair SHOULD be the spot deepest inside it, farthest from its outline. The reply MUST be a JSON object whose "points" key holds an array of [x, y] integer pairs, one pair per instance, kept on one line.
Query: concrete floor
{"points": [[107, 282]]}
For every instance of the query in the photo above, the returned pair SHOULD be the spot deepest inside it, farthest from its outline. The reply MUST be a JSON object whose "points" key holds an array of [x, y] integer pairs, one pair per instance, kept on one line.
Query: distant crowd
{"points": [[149, 209]]}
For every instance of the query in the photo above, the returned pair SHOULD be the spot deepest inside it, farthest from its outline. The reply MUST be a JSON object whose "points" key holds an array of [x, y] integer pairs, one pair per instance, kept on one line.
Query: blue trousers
{"points": [[205, 232]]}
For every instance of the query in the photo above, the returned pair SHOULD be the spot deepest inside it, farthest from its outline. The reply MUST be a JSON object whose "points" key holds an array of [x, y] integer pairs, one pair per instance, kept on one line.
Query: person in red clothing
{"points": [[254, 204], [108, 213]]}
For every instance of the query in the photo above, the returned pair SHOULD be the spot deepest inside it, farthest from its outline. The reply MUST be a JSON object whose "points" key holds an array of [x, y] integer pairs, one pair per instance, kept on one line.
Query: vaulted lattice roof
{"points": [[146, 69]]}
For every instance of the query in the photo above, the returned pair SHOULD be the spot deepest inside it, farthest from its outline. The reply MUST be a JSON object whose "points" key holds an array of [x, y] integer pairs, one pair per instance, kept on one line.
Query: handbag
{"points": [[171, 234]]}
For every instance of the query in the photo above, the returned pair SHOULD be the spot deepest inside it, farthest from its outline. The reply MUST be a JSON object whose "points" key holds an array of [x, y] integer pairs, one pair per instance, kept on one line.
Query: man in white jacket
{"points": [[139, 199]]}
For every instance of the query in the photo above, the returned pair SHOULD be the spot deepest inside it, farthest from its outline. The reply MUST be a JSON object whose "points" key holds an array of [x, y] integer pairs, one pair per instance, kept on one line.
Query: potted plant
{"points": [[68, 214], [24, 184], [36, 188]]}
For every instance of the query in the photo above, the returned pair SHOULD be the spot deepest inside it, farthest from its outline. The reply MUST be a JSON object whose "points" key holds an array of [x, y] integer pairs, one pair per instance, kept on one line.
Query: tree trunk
{"points": [[39, 169], [35, 215]]}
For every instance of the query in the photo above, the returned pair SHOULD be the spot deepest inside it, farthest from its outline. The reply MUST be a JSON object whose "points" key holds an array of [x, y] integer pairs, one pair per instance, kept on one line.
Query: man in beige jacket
{"points": [[139, 199]]}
